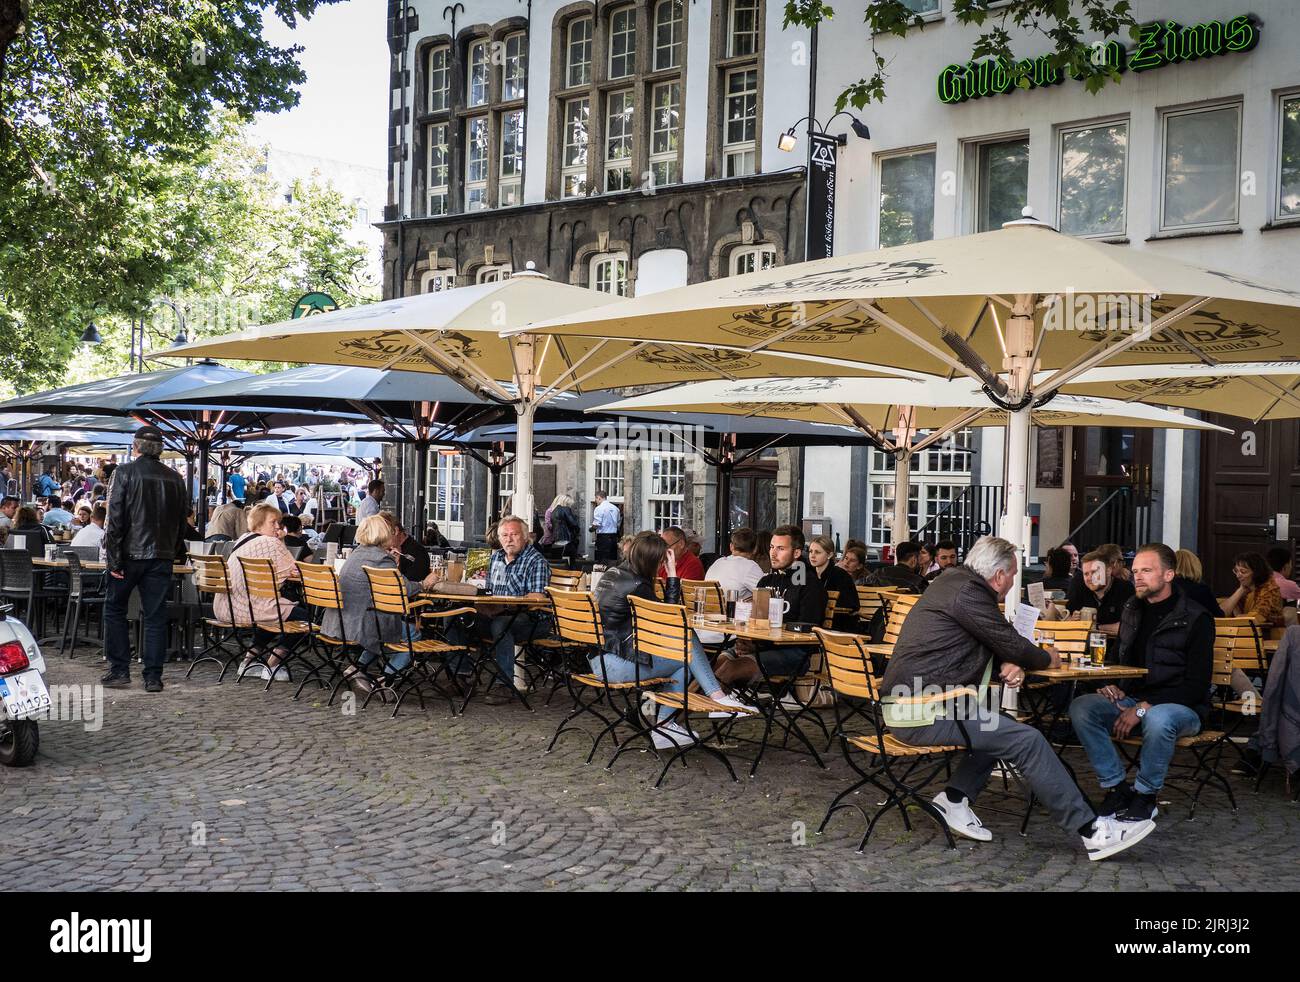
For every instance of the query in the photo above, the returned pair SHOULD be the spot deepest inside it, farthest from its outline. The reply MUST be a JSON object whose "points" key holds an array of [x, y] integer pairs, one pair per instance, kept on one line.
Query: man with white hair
{"points": [[517, 569], [956, 637]]}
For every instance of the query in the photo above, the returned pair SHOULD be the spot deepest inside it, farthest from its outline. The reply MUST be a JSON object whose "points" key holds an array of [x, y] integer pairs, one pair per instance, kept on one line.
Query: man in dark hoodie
{"points": [[952, 641]]}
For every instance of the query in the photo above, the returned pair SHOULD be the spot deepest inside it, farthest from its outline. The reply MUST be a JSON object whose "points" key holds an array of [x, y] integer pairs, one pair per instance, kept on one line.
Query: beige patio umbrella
{"points": [[894, 412], [459, 333], [1018, 299], [1234, 388]]}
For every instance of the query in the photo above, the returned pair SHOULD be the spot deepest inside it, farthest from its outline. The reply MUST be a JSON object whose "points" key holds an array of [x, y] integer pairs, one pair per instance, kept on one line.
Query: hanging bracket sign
{"points": [[821, 197]]}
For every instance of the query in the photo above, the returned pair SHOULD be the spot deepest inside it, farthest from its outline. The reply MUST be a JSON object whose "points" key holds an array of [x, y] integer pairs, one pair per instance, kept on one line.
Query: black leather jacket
{"points": [[146, 513], [615, 586]]}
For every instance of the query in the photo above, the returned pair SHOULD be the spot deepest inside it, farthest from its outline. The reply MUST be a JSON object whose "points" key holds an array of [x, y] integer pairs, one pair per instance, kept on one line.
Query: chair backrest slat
{"points": [[660, 630], [320, 586], [577, 617], [714, 600], [387, 590]]}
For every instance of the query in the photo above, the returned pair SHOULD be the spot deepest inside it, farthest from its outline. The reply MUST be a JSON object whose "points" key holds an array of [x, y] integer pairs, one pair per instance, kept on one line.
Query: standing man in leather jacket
{"points": [[143, 536]]}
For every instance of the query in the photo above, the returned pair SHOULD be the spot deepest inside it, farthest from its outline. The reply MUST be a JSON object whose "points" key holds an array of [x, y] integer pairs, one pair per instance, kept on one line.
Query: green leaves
{"points": [[110, 111]]}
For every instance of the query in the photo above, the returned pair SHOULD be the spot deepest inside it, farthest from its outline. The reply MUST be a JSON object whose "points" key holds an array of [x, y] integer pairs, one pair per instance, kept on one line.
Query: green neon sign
{"points": [[1159, 44]]}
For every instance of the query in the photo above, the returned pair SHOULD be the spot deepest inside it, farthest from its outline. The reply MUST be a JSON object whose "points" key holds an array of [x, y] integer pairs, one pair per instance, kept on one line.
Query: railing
{"points": [[1123, 517], [971, 514]]}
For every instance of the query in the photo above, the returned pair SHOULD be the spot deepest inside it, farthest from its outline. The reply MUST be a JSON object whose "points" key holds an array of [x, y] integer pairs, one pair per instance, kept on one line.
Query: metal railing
{"points": [[1122, 517], [971, 514]]}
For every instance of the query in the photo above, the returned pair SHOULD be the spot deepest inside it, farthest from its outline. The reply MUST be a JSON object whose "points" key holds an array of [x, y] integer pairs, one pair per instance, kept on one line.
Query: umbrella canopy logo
{"points": [[711, 358], [1210, 332], [757, 324], [776, 387], [381, 349], [849, 281], [1173, 386]]}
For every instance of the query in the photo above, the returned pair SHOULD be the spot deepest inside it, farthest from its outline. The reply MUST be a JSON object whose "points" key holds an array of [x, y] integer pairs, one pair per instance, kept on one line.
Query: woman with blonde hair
{"points": [[1188, 578], [264, 540], [560, 527]]}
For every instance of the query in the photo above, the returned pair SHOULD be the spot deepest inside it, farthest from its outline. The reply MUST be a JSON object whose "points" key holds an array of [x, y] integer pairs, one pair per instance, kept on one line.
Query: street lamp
{"points": [[788, 140]]}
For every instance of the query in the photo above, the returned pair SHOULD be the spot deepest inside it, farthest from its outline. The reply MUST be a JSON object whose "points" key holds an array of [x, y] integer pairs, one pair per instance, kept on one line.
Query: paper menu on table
{"points": [[1037, 596], [1024, 621]]}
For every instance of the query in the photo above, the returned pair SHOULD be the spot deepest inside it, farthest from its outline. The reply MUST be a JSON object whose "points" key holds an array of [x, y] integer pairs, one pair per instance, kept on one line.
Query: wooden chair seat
{"points": [[326, 639], [218, 622], [596, 682], [289, 627], [423, 646], [893, 747], [1246, 707], [1199, 740], [694, 702]]}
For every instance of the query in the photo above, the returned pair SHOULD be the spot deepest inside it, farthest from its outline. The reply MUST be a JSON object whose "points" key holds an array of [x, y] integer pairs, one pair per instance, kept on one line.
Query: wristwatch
{"points": [[1141, 711]]}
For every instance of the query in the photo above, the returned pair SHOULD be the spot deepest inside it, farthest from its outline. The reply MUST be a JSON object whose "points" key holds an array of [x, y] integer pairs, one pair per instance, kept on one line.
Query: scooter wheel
{"points": [[19, 741]]}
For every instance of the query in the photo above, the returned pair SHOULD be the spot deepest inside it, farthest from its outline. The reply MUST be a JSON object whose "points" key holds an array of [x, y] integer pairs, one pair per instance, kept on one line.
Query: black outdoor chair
{"points": [[85, 593], [19, 582]]}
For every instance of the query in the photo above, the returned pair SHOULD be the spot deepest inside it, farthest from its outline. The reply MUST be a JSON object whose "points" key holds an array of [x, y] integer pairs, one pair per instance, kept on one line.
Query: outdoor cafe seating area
{"points": [[829, 716]]}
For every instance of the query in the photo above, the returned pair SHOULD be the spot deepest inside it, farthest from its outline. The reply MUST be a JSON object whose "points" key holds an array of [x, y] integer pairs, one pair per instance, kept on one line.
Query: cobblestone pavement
{"points": [[230, 787]]}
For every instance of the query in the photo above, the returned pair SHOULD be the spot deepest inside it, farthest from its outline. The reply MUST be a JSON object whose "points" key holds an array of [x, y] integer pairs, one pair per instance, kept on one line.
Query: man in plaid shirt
{"points": [[517, 569]]}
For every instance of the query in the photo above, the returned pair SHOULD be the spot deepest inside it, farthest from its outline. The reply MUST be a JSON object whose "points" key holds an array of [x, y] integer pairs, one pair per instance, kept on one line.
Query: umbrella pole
{"points": [[523, 499], [421, 490], [1020, 360], [902, 478], [201, 509]]}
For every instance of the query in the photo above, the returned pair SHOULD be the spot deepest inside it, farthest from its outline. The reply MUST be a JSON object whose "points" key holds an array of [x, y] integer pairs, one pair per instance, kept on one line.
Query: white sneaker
{"points": [[1110, 836], [281, 674], [742, 708], [961, 819], [673, 735]]}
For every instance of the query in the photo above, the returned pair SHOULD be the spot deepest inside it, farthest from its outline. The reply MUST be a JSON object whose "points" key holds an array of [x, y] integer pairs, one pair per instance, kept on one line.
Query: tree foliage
{"points": [[1065, 23], [108, 111]]}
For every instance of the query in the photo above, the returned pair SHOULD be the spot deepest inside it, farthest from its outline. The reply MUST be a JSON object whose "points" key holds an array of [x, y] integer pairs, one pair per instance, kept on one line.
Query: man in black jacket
{"points": [[906, 571], [795, 582], [143, 535], [1162, 631], [951, 641]]}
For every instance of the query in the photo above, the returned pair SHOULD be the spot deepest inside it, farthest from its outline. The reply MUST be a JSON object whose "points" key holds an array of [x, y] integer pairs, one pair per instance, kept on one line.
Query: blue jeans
{"points": [[620, 669], [1093, 716], [153, 578], [508, 630], [397, 660]]}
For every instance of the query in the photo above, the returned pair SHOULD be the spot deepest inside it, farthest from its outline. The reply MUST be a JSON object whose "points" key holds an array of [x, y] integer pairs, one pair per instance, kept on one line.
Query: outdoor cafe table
{"points": [[1073, 676], [42, 565]]}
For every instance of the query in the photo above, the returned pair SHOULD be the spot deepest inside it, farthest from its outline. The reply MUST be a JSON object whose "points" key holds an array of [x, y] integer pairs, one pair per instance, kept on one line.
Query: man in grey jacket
{"points": [[955, 638]]}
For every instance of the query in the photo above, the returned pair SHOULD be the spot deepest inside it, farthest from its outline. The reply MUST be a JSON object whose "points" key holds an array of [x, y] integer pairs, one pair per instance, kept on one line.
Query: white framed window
{"points": [[668, 34], [514, 68], [1001, 188], [742, 28], [437, 280], [510, 178], [609, 273], [506, 487], [578, 57], [740, 123], [476, 75], [446, 493], [1287, 206], [476, 163], [880, 528], [622, 42], [951, 455], [750, 259], [609, 472], [906, 203], [667, 495], [1092, 179], [926, 8], [665, 127], [439, 79], [493, 274], [577, 134], [1200, 167], [938, 499], [437, 195], [618, 140]]}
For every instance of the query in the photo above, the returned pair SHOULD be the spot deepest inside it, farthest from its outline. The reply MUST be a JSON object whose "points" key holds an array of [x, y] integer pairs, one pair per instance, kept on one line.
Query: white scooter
{"points": [[23, 694]]}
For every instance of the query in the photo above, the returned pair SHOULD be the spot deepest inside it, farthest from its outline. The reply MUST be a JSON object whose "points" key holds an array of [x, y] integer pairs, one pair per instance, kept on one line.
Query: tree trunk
{"points": [[12, 15]]}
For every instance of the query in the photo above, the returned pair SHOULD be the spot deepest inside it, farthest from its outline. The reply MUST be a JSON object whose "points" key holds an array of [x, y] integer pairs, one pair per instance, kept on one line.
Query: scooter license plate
{"points": [[24, 695]]}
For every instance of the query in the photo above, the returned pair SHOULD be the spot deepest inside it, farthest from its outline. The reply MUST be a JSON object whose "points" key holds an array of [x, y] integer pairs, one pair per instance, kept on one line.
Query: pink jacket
{"points": [[257, 547]]}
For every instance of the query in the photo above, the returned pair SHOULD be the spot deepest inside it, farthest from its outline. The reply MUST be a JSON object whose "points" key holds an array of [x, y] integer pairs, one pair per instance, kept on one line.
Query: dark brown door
{"points": [[753, 495], [1110, 488], [1248, 478]]}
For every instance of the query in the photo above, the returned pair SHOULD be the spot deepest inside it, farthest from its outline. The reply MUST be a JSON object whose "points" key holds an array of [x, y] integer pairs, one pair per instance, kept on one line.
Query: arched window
{"points": [[622, 43], [751, 259], [476, 75], [439, 79], [578, 52], [437, 280], [514, 68], [609, 273]]}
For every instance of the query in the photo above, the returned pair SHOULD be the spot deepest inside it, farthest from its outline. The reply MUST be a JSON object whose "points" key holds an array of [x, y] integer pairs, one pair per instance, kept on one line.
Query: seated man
{"points": [[517, 569], [1164, 632], [905, 572], [945, 557], [951, 639], [1105, 591], [793, 581], [57, 513], [93, 532]]}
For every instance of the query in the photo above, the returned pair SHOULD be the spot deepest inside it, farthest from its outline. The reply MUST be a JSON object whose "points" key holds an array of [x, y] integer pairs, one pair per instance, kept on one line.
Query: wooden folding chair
{"points": [[900, 605], [1206, 748], [566, 579], [714, 603], [860, 725], [211, 578], [578, 623], [388, 596], [1070, 638], [664, 631], [261, 582], [321, 592]]}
